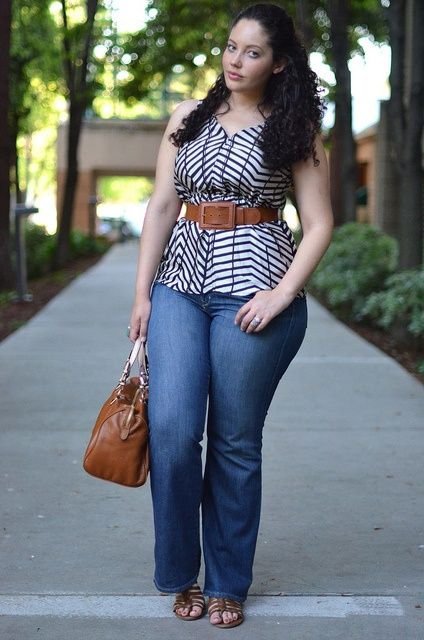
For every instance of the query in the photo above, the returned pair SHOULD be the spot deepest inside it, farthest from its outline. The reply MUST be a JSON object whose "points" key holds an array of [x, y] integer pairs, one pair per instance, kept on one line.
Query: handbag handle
{"points": [[143, 366], [135, 351], [138, 349]]}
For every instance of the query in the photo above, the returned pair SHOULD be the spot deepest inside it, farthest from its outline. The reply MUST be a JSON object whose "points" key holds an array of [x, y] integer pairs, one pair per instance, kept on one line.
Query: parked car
{"points": [[115, 229]]}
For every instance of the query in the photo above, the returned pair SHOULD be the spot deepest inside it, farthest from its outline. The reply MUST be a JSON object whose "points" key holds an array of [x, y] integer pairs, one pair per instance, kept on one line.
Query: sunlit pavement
{"points": [[341, 546]]}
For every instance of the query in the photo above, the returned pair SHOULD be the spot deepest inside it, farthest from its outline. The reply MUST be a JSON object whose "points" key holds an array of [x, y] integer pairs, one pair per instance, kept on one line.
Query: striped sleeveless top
{"points": [[241, 261]]}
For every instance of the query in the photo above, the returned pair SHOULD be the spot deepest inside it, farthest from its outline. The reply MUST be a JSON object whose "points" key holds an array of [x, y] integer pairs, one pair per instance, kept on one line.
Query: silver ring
{"points": [[256, 321]]}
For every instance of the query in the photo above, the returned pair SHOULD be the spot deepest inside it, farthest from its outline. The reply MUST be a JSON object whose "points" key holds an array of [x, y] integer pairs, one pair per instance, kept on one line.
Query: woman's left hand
{"points": [[254, 316]]}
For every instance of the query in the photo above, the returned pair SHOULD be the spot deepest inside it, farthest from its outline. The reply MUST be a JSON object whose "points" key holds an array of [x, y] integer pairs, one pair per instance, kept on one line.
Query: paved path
{"points": [[341, 546]]}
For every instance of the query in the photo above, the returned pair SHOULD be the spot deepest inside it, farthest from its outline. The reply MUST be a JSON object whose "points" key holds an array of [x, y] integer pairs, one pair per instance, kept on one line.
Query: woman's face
{"points": [[247, 60]]}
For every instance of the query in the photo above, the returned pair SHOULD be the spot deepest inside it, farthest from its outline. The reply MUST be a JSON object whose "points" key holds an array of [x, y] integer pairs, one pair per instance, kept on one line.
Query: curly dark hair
{"points": [[292, 96]]}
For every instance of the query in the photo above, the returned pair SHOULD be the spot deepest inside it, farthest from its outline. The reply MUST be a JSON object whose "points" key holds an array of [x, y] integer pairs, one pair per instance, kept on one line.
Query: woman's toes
{"points": [[196, 611], [227, 617], [216, 618]]}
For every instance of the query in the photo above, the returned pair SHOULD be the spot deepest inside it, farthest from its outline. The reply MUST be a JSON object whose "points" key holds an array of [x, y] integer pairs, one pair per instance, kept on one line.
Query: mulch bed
{"points": [[15, 314]]}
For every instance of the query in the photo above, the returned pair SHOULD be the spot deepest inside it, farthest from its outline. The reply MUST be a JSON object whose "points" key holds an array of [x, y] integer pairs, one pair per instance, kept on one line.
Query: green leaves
{"points": [[179, 30], [356, 264], [401, 302], [34, 65]]}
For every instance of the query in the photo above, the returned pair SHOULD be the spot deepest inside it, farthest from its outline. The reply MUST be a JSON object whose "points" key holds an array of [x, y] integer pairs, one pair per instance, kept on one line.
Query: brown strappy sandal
{"points": [[192, 597], [219, 605]]}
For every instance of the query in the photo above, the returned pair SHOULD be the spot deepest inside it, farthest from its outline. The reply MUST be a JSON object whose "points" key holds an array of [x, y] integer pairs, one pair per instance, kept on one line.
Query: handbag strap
{"points": [[135, 351], [143, 366], [138, 350]]}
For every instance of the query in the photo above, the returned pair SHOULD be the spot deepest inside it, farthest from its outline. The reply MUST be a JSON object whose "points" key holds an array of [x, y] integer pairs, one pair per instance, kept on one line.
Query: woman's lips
{"points": [[233, 76]]}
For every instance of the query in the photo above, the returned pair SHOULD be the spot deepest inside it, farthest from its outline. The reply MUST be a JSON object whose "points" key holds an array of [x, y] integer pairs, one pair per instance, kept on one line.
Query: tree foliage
{"points": [[190, 35], [47, 58], [35, 73], [32, 66]]}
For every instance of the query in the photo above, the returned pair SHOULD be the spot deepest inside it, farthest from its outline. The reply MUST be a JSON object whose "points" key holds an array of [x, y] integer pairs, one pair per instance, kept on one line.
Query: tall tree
{"points": [[77, 46], [6, 270], [342, 154], [340, 25], [304, 22], [406, 108]]}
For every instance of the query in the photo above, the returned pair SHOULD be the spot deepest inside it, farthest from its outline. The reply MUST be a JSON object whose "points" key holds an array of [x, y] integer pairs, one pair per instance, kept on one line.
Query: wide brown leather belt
{"points": [[226, 215]]}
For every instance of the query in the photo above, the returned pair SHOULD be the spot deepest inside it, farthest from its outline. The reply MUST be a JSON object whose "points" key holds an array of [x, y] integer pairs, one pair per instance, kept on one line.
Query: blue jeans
{"points": [[202, 365]]}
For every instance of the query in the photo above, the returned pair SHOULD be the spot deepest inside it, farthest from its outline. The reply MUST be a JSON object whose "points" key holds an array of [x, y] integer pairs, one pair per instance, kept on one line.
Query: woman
{"points": [[227, 310]]}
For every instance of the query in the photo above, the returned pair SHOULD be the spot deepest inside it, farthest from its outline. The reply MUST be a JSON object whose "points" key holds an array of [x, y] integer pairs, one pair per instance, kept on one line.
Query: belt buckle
{"points": [[224, 211]]}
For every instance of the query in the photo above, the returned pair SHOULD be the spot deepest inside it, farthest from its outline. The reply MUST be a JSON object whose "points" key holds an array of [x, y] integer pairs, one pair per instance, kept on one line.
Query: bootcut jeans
{"points": [[204, 368]]}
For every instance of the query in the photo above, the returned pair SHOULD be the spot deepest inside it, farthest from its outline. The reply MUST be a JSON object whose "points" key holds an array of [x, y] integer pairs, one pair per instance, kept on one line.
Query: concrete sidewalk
{"points": [[341, 546]]}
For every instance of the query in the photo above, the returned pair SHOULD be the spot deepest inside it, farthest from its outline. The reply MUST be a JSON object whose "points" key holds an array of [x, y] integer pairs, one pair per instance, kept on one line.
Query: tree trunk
{"points": [[342, 155], [391, 128], [303, 20], [396, 15], [412, 175], [76, 113], [76, 78], [6, 269], [387, 176]]}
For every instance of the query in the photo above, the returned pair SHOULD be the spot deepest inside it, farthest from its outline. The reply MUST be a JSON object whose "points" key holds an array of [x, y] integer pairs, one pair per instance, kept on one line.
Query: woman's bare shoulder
{"points": [[182, 110]]}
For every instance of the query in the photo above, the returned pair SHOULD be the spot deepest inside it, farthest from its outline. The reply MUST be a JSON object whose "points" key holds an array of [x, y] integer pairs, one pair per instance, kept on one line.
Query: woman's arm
{"points": [[161, 215], [312, 191]]}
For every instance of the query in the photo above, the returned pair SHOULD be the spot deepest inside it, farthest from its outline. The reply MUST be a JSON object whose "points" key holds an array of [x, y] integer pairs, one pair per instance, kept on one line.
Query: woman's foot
{"points": [[190, 604], [225, 613]]}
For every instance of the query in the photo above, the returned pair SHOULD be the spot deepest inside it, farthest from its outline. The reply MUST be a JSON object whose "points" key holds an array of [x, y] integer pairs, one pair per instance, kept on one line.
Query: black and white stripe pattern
{"points": [[216, 166]]}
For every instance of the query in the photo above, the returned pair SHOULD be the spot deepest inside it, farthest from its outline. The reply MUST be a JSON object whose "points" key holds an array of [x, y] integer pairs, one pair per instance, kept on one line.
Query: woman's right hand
{"points": [[139, 319]]}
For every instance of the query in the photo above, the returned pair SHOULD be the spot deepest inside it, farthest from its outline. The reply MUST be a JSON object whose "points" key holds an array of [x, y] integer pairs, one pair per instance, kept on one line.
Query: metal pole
{"points": [[18, 254], [22, 294]]}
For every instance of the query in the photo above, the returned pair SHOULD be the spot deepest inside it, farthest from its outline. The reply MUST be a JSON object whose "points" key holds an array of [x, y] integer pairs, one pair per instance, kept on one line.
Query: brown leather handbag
{"points": [[118, 448]]}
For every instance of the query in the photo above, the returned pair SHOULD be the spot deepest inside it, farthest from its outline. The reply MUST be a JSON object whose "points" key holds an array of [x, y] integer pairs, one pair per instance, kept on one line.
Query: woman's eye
{"points": [[230, 47], [253, 54]]}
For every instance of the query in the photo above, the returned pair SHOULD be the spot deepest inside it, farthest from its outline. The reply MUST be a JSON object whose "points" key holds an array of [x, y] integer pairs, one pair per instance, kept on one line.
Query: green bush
{"points": [[356, 264], [82, 245], [401, 304], [40, 248]]}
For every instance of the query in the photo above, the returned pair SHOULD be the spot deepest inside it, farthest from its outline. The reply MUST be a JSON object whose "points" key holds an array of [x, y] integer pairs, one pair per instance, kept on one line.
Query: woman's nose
{"points": [[236, 60]]}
